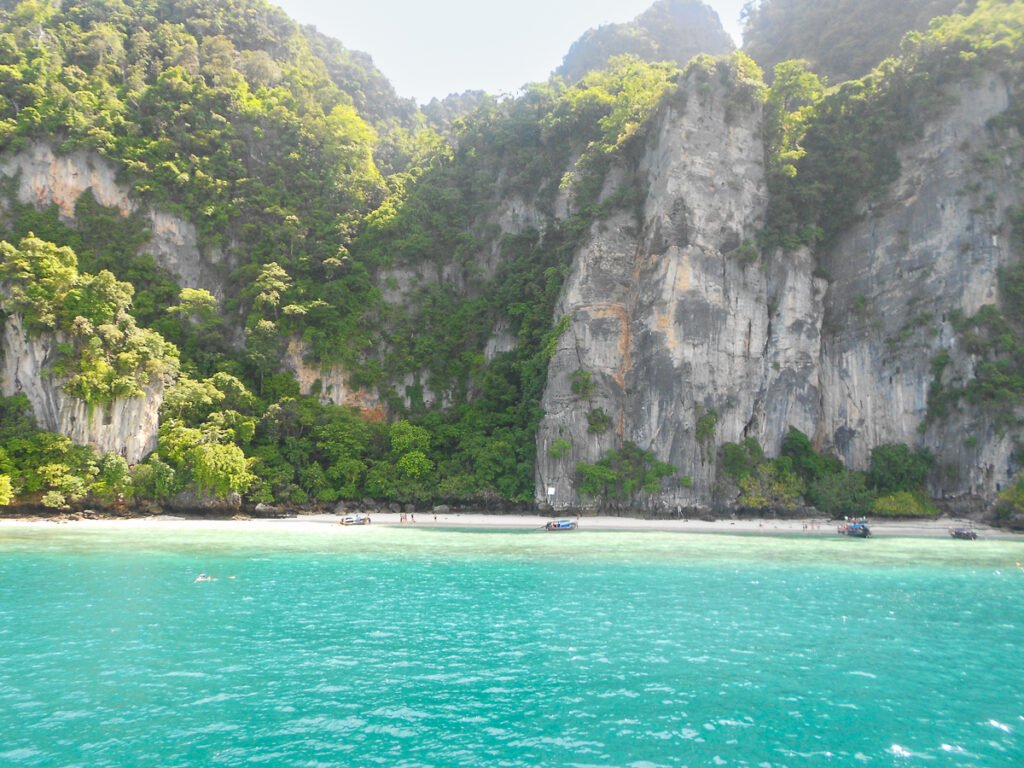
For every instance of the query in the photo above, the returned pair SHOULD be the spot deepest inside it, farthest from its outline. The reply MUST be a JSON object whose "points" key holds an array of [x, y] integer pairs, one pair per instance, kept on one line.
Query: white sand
{"points": [[312, 523]]}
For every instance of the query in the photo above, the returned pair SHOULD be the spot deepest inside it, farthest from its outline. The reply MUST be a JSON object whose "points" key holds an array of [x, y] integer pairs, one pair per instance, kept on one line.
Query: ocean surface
{"points": [[396, 647]]}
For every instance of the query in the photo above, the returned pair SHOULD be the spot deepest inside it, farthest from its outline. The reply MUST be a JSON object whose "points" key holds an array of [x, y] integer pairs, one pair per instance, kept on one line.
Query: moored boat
{"points": [[858, 529], [963, 533], [561, 525]]}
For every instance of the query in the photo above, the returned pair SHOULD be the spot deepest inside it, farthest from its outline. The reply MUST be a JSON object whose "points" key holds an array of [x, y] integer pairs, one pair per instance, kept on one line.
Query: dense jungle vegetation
{"points": [[228, 113], [355, 230]]}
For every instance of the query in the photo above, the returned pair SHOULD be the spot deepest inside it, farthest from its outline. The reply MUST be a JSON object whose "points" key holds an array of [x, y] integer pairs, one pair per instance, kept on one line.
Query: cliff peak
{"points": [[670, 30]]}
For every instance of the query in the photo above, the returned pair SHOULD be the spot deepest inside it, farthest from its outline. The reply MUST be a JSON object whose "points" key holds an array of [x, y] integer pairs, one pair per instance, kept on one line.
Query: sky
{"points": [[429, 48]]}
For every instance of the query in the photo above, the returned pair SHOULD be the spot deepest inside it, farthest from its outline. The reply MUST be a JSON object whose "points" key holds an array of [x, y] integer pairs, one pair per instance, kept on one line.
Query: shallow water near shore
{"points": [[398, 647]]}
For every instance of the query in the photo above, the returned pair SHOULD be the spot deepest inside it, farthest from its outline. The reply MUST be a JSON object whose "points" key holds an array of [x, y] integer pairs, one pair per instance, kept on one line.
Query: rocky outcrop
{"points": [[125, 426], [934, 246], [44, 177], [329, 383], [670, 30], [666, 318], [691, 340]]}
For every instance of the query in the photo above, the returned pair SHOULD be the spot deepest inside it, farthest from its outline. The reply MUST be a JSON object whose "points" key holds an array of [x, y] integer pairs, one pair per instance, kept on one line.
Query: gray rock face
{"points": [[676, 329], [665, 318], [935, 246], [126, 426], [329, 383], [45, 178]]}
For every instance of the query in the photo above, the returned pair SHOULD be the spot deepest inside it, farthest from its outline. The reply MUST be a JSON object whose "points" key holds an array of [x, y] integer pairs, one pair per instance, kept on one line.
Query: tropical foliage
{"points": [[319, 191], [106, 355], [893, 486], [618, 478], [833, 151]]}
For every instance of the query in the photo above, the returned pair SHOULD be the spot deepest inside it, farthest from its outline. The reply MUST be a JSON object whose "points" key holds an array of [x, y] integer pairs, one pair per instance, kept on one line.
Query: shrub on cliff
{"points": [[1011, 500], [618, 478]]}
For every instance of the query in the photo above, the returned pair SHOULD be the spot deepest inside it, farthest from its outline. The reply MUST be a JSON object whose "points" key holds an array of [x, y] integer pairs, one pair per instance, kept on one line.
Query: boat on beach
{"points": [[963, 533], [356, 519], [858, 529], [561, 525]]}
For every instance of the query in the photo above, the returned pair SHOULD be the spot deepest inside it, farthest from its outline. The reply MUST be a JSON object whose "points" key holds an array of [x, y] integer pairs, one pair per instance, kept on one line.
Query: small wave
{"points": [[182, 674], [1001, 726], [905, 753], [216, 699], [863, 674], [18, 755], [954, 750]]}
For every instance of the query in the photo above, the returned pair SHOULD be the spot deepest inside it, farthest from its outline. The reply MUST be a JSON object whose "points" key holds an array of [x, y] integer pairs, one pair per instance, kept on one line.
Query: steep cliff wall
{"points": [[43, 178], [934, 246], [665, 317], [678, 324], [126, 426], [46, 178]]}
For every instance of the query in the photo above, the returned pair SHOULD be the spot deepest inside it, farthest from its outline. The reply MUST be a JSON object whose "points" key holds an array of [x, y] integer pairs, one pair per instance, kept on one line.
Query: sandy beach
{"points": [[309, 523]]}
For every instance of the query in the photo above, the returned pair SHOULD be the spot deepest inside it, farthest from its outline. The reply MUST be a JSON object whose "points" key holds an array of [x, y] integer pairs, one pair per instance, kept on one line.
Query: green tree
{"points": [[154, 479], [108, 356], [407, 437], [772, 486], [268, 288], [113, 483], [807, 462], [37, 277], [219, 469], [6, 491], [1011, 499], [790, 107], [741, 460], [896, 468], [841, 494]]}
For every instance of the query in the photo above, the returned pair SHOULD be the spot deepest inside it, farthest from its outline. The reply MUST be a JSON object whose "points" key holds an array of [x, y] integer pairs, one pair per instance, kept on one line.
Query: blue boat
{"points": [[858, 529], [561, 525]]}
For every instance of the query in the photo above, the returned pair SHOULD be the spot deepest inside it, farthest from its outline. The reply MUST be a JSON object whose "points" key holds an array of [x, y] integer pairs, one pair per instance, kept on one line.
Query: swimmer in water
{"points": [[204, 577]]}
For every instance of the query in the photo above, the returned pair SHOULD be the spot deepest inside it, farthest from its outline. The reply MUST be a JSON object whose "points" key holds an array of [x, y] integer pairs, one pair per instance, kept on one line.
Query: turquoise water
{"points": [[395, 647]]}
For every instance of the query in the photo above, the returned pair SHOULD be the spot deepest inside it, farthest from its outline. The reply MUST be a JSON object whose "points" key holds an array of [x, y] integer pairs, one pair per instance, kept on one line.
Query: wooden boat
{"points": [[561, 525]]}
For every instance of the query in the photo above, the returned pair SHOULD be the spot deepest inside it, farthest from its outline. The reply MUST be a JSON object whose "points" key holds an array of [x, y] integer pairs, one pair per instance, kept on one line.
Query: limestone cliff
{"points": [[664, 316], [935, 246], [126, 426], [44, 177], [329, 382], [679, 324]]}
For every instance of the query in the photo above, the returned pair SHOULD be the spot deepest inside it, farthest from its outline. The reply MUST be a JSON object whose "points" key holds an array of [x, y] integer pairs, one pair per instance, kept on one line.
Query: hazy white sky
{"points": [[430, 48]]}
